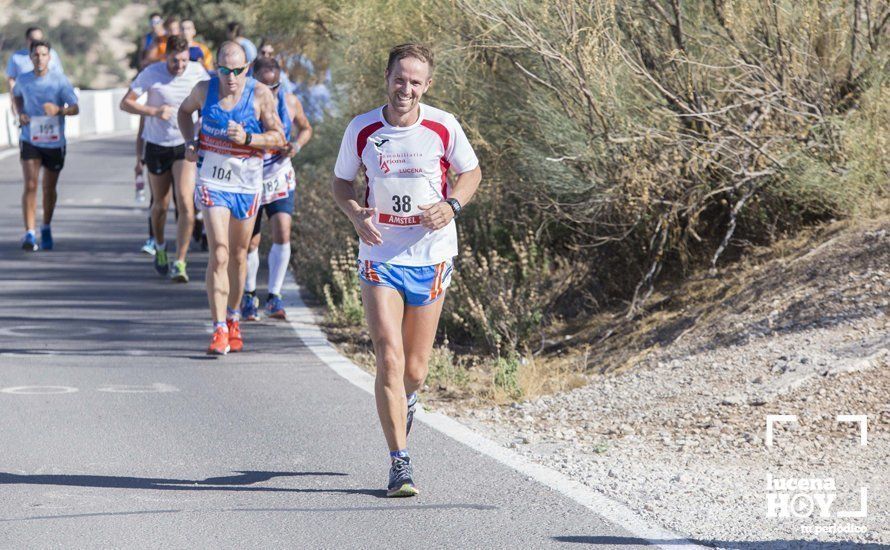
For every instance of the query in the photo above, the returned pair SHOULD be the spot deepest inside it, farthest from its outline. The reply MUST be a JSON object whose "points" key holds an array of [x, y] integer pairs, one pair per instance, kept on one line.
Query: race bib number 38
{"points": [[46, 129], [398, 200]]}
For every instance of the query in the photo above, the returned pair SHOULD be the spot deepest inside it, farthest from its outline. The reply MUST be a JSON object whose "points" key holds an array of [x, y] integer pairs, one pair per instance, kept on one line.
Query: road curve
{"points": [[119, 431]]}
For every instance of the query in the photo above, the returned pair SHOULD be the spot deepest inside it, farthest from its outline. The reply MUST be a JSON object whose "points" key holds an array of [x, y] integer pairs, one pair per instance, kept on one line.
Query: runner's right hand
{"points": [[138, 168], [24, 119], [363, 221], [164, 112]]}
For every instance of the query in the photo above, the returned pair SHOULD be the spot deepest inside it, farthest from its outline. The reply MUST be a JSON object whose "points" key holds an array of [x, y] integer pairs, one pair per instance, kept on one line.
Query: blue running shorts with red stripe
{"points": [[418, 285]]}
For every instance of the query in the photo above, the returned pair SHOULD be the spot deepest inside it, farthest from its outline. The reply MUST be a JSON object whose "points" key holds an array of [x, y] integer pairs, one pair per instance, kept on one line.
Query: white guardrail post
{"points": [[99, 114]]}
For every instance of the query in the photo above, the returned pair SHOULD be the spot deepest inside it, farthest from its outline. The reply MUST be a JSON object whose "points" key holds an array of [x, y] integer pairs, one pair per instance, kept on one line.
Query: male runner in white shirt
{"points": [[407, 234], [167, 84]]}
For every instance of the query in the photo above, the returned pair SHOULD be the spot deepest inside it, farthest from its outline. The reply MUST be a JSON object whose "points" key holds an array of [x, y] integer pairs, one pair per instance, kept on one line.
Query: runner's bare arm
{"points": [[362, 218], [51, 109], [20, 109], [466, 185], [192, 103], [273, 137], [130, 105], [140, 145], [301, 123], [184, 117], [11, 82], [440, 214]]}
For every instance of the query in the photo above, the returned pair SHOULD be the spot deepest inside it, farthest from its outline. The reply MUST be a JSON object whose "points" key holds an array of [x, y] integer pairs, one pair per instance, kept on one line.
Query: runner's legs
{"points": [[253, 260], [281, 226], [31, 173], [161, 185], [216, 222], [384, 310], [184, 191], [239, 240], [50, 196], [418, 335], [279, 255]]}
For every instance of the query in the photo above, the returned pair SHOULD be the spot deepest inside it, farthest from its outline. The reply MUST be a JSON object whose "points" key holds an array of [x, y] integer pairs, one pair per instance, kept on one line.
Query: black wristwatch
{"points": [[455, 205], [248, 139]]}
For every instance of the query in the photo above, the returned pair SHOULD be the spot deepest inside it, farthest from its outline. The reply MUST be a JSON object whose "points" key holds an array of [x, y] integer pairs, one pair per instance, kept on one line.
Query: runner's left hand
{"points": [[436, 215], [51, 109], [290, 151], [236, 133]]}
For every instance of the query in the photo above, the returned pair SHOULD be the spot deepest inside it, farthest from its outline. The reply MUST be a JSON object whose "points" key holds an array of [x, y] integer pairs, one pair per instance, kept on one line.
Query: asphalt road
{"points": [[118, 431]]}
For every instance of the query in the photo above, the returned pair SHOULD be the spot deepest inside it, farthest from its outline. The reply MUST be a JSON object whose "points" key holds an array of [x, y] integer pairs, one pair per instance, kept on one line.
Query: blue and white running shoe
{"points": [[149, 247], [250, 306], [29, 242], [275, 307]]}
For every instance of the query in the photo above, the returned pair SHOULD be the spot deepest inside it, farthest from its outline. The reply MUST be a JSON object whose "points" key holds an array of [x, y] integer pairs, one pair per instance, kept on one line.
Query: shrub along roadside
{"points": [[638, 141]]}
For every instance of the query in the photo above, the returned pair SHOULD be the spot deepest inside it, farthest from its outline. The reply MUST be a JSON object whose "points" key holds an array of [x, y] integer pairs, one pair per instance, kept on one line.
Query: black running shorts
{"points": [[50, 158], [159, 159]]}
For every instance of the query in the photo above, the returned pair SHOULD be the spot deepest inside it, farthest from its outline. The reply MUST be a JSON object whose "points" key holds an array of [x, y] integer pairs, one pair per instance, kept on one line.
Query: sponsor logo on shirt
{"points": [[378, 143], [389, 219]]}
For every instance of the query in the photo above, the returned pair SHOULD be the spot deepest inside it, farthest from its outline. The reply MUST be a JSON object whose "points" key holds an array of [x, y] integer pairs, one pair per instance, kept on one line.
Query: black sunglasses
{"points": [[227, 71]]}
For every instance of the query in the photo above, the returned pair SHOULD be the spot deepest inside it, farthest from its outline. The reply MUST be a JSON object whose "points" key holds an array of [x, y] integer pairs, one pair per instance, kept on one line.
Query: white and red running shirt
{"points": [[406, 167]]}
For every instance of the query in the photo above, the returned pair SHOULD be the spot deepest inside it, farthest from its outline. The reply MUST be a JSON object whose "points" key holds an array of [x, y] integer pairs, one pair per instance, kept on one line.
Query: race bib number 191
{"points": [[46, 129]]}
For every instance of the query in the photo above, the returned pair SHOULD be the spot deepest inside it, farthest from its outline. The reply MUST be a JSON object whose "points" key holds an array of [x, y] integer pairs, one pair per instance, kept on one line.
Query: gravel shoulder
{"points": [[679, 435]]}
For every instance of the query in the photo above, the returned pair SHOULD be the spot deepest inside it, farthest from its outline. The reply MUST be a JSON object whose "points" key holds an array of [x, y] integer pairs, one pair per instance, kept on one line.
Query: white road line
{"points": [[305, 326]]}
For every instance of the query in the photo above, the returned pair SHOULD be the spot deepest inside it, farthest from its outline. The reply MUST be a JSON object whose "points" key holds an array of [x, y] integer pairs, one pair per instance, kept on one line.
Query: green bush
{"points": [[638, 140], [343, 295]]}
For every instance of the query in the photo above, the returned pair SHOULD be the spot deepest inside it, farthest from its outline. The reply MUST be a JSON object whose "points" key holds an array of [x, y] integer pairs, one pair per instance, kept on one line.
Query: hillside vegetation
{"points": [[624, 145], [93, 37]]}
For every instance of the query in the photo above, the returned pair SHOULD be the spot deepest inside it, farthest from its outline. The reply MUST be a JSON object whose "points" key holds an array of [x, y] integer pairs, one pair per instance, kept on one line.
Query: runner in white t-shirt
{"points": [[405, 223], [167, 84]]}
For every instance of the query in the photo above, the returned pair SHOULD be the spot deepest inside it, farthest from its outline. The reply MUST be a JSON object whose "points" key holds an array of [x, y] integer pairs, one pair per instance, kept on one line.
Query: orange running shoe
{"points": [[235, 340], [219, 343]]}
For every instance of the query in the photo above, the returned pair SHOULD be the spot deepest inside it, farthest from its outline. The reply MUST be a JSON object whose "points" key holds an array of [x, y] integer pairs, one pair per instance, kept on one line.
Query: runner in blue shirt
{"points": [[43, 99]]}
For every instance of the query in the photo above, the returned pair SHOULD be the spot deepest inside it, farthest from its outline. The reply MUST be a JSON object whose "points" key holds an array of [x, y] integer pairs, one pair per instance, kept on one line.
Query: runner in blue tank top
{"points": [[239, 121]]}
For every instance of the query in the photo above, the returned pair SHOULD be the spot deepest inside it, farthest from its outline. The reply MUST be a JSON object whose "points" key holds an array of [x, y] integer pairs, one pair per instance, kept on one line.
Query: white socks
{"points": [[253, 266], [279, 257]]}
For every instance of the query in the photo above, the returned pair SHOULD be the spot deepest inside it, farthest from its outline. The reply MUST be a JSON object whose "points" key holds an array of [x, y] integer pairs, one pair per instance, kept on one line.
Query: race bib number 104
{"points": [[220, 169]]}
